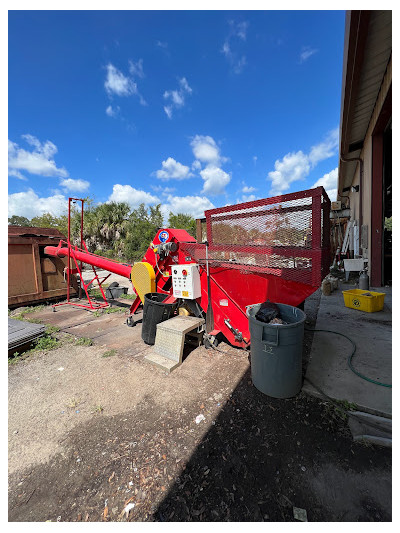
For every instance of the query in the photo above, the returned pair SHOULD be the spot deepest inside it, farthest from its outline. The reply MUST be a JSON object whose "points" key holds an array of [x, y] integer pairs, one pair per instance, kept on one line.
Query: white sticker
{"points": [[224, 303]]}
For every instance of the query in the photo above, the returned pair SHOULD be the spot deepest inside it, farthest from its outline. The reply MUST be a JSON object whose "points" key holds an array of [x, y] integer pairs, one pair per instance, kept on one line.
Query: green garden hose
{"points": [[349, 360]]}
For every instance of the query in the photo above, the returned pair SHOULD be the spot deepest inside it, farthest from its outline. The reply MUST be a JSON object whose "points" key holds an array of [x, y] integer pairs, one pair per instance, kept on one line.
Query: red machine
{"points": [[276, 248]]}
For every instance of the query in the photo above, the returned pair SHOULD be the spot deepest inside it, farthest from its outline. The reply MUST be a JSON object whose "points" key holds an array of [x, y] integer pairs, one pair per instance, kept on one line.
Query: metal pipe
{"points": [[91, 259]]}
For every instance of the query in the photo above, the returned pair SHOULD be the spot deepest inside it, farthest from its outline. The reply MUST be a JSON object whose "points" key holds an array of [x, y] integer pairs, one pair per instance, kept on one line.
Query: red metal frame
{"points": [[71, 251], [236, 285]]}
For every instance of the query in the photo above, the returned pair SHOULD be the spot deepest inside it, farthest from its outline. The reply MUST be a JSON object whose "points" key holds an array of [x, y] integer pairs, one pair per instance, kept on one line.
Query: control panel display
{"points": [[186, 281]]}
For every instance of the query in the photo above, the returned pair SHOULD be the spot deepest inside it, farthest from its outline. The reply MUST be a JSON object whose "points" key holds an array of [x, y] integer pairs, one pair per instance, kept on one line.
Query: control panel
{"points": [[186, 281]]}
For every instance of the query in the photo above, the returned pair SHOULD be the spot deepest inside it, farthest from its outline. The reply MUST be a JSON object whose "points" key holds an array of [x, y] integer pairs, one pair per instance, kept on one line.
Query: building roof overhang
{"points": [[367, 51]]}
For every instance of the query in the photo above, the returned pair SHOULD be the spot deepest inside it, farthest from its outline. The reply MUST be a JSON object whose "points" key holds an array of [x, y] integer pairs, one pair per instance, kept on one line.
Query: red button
{"points": [[184, 272]]}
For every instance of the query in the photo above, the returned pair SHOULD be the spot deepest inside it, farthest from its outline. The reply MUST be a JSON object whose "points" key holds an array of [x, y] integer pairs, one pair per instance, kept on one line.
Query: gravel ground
{"points": [[141, 456]]}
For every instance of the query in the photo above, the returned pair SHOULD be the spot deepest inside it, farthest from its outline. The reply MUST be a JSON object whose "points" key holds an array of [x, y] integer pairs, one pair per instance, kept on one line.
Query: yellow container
{"points": [[368, 301]]}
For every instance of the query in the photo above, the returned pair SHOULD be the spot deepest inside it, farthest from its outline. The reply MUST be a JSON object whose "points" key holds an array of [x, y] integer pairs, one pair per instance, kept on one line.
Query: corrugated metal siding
{"points": [[376, 57]]}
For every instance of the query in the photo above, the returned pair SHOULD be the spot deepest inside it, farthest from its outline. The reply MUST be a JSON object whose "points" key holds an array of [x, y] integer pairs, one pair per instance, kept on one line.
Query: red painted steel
{"points": [[276, 248], [91, 259]]}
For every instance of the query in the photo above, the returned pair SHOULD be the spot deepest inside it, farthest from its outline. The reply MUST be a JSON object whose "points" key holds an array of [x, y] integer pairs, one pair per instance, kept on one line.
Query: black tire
{"points": [[207, 343]]}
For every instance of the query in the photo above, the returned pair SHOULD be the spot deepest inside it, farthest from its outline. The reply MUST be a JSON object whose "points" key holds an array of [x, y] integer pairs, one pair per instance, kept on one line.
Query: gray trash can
{"points": [[276, 352]]}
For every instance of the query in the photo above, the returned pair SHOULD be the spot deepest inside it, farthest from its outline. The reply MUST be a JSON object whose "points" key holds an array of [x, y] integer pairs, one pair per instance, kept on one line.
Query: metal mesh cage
{"points": [[286, 236]]}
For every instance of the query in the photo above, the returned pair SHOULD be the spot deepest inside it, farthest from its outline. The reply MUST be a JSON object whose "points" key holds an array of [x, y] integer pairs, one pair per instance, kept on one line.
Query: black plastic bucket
{"points": [[115, 292], [154, 312], [276, 352]]}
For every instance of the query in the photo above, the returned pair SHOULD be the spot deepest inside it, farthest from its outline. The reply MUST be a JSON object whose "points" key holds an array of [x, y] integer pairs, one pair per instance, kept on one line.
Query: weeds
{"points": [[337, 411], [46, 342], [83, 341], [26, 311], [114, 310], [50, 330], [14, 359], [128, 296], [109, 353], [73, 403], [97, 409], [109, 310]]}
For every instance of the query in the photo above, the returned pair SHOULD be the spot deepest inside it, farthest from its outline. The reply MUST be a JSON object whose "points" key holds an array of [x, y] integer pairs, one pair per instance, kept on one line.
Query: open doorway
{"points": [[387, 206]]}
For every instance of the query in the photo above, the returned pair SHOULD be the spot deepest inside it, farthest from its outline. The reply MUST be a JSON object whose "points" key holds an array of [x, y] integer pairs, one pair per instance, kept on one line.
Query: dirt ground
{"points": [[113, 438]]}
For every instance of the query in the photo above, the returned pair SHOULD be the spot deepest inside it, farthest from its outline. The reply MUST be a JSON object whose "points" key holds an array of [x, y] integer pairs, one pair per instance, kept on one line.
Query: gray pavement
{"points": [[372, 334]]}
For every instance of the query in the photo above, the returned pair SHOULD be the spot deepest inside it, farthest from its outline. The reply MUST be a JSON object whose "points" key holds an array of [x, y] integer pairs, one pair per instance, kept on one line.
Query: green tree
{"points": [[141, 229], [16, 220], [104, 227], [182, 221], [47, 220]]}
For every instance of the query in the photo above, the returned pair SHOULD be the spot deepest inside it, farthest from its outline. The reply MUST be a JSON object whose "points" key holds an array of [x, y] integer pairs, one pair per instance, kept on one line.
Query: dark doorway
{"points": [[387, 205]]}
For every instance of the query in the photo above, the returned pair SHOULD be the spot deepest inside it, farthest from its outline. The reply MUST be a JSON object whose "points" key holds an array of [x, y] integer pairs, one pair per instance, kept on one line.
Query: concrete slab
{"points": [[362, 424], [372, 334]]}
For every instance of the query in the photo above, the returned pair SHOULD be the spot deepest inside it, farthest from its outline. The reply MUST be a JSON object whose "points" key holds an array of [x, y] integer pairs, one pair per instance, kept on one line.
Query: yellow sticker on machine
{"points": [[185, 294]]}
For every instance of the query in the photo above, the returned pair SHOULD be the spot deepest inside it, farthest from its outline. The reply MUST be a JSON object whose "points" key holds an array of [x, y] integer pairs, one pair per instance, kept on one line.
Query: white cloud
{"points": [[206, 150], [185, 86], [136, 69], [239, 64], [112, 111], [248, 190], [296, 166], [117, 83], [226, 49], [75, 185], [255, 159], [172, 169], [134, 197], [177, 97], [293, 167], [161, 44], [39, 162], [306, 53], [327, 148], [237, 33], [191, 205], [241, 29], [329, 182], [165, 191], [28, 204], [247, 198], [17, 174], [168, 110], [215, 180]]}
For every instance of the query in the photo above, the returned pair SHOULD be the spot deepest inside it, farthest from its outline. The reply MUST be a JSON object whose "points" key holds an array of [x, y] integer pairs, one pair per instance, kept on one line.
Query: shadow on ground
{"points": [[253, 458], [265, 456]]}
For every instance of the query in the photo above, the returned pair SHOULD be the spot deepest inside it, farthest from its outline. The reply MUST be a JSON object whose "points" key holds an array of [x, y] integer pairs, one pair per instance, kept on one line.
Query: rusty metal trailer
{"points": [[33, 276]]}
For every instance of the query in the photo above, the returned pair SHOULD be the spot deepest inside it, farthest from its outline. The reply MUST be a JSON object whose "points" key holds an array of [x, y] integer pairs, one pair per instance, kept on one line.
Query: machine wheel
{"points": [[130, 322], [210, 342]]}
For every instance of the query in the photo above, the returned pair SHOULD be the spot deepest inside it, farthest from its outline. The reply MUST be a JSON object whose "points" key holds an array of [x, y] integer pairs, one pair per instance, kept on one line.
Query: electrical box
{"points": [[336, 206], [186, 281]]}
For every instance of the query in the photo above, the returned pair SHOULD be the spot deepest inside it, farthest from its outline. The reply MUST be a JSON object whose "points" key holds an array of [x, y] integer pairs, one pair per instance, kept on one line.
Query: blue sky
{"points": [[191, 109]]}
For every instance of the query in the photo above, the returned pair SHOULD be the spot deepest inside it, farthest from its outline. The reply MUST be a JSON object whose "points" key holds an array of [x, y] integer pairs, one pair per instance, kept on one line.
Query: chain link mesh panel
{"points": [[286, 236]]}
